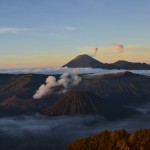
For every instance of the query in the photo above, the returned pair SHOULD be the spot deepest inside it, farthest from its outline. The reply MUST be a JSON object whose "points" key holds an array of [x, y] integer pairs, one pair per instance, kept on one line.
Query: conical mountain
{"points": [[84, 61]]}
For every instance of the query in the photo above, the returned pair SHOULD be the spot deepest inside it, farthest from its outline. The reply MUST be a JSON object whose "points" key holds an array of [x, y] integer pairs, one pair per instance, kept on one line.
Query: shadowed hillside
{"points": [[75, 103], [121, 64], [85, 103], [16, 92]]}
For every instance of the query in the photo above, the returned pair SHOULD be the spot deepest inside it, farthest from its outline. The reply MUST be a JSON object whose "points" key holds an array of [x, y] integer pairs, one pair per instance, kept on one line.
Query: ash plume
{"points": [[66, 81]]}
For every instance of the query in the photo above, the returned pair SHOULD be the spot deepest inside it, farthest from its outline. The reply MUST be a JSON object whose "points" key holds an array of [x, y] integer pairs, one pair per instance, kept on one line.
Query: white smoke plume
{"points": [[95, 50], [66, 81]]}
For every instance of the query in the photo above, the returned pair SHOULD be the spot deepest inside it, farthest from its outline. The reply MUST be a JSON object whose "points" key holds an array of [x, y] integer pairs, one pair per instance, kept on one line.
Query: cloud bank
{"points": [[62, 70], [40, 132]]}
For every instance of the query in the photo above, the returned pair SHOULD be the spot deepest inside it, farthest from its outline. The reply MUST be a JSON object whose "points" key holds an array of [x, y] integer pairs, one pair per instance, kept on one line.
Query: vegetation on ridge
{"points": [[114, 140]]}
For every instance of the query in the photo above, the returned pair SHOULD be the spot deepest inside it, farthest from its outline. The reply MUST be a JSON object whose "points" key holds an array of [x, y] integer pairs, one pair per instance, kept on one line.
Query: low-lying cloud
{"points": [[62, 70], [66, 81], [55, 133]]}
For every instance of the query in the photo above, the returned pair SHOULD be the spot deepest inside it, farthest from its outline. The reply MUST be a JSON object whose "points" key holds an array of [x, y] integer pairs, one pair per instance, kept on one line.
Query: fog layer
{"points": [[61, 70], [40, 132]]}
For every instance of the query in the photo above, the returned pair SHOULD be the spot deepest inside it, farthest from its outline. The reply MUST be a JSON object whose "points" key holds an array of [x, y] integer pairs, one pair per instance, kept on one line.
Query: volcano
{"points": [[109, 95], [85, 61]]}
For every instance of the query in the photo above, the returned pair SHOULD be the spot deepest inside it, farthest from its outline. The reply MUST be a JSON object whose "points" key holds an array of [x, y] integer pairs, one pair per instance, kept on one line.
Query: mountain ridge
{"points": [[86, 61]]}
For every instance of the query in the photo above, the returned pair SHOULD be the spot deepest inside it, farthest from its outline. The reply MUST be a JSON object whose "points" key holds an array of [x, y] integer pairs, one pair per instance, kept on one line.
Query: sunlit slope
{"points": [[114, 140]]}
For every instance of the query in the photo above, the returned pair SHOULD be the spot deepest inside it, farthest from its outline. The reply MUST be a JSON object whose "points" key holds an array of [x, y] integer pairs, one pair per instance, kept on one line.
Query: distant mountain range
{"points": [[87, 61], [108, 95]]}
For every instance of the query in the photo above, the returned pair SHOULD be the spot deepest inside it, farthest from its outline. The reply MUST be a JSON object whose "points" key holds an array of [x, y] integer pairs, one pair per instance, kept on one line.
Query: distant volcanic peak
{"points": [[84, 61], [121, 64], [82, 56], [74, 103]]}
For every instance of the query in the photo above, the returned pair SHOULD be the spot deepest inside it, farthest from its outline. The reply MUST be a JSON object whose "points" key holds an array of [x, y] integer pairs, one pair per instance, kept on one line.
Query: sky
{"points": [[49, 33]]}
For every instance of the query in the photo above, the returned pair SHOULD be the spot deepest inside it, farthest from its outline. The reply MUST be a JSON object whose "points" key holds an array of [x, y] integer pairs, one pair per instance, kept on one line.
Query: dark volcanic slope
{"points": [[108, 95], [84, 61], [16, 93], [122, 87], [85, 103], [5, 77], [121, 64], [75, 103]]}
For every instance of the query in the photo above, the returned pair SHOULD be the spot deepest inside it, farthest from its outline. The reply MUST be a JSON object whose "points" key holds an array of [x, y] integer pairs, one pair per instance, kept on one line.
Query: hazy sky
{"points": [[48, 33]]}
